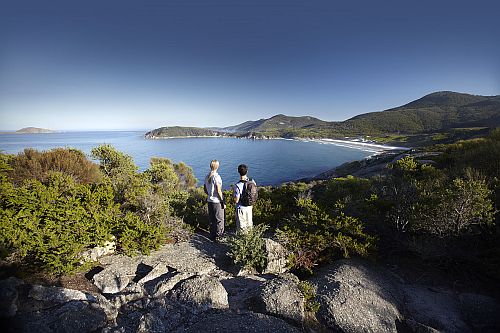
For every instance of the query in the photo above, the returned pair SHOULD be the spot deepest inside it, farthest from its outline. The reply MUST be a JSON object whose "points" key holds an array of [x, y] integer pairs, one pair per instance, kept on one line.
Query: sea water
{"points": [[270, 162]]}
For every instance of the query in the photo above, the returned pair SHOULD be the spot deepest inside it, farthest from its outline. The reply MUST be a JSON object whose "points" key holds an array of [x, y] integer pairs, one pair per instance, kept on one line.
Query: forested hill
{"points": [[436, 112], [178, 131]]}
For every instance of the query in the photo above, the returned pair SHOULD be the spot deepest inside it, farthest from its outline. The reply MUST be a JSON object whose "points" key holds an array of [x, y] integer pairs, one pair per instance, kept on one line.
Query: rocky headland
{"points": [[194, 286]]}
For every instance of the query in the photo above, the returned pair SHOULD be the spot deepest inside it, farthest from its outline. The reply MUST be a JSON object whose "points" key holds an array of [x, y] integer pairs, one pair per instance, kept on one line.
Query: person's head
{"points": [[242, 170], [214, 165]]}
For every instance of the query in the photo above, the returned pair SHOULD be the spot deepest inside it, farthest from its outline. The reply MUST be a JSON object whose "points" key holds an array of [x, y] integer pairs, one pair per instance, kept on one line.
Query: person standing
{"points": [[244, 195], [216, 205]]}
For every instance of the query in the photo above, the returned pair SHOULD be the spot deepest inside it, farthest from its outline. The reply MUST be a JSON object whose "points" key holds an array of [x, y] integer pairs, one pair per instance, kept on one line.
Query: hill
{"points": [[178, 131], [34, 130], [434, 113]]}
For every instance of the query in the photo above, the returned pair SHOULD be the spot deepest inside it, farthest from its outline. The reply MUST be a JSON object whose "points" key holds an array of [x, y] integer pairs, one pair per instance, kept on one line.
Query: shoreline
{"points": [[360, 145]]}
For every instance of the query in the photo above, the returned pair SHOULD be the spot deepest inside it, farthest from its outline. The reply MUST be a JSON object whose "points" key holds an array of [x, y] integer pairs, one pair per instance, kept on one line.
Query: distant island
{"points": [[34, 130], [439, 117]]}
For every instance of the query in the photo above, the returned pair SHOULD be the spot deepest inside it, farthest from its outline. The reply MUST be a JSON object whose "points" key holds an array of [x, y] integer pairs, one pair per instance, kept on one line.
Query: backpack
{"points": [[250, 193]]}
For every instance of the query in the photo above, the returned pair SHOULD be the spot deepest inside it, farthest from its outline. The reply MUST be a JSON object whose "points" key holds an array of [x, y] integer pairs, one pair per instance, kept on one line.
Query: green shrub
{"points": [[248, 248], [52, 223], [308, 290], [314, 236]]}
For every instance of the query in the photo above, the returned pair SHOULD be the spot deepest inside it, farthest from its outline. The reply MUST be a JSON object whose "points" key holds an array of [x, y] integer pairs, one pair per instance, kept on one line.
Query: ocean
{"points": [[270, 162]]}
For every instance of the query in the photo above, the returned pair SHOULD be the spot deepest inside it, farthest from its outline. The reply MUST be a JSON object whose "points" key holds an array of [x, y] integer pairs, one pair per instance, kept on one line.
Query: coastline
{"points": [[360, 145]]}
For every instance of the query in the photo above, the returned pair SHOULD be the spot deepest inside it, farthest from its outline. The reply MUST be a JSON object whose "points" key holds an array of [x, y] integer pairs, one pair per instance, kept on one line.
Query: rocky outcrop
{"points": [[246, 322], [482, 313], [281, 297], [276, 258], [9, 296], [435, 308], [194, 287], [356, 297], [201, 293]]}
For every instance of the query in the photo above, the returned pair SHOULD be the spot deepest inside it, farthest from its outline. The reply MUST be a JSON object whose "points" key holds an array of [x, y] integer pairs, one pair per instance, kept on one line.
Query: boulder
{"points": [[228, 322], [356, 296], [480, 312], [95, 253], [74, 316], [58, 294], [111, 280], [9, 296], [131, 293], [276, 257], [149, 323], [435, 308], [281, 297], [201, 293]]}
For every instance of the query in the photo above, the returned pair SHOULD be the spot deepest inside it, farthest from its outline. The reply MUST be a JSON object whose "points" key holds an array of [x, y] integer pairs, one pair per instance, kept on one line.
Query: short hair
{"points": [[242, 169]]}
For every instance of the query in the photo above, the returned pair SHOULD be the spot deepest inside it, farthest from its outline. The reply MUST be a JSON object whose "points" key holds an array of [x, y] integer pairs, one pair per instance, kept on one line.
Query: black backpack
{"points": [[250, 193]]}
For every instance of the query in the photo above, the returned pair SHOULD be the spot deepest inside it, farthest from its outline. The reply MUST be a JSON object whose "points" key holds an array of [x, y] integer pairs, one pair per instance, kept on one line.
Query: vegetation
{"points": [[176, 131], [434, 118], [248, 248], [308, 290], [55, 204]]}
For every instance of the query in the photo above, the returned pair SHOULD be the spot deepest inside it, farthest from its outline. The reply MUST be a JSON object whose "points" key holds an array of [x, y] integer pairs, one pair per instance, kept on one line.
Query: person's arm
{"points": [[236, 195], [221, 197], [218, 187]]}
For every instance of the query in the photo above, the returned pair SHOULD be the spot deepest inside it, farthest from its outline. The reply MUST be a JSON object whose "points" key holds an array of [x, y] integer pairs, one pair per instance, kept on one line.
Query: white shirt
{"points": [[212, 191]]}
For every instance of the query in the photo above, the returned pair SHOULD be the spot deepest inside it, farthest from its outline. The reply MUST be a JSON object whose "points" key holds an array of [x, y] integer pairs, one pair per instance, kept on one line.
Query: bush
{"points": [[249, 248], [308, 290], [32, 164], [52, 223], [314, 236]]}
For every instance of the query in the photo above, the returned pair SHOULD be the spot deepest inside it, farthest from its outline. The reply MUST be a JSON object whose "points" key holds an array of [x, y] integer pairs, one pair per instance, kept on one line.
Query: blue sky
{"points": [[120, 64]]}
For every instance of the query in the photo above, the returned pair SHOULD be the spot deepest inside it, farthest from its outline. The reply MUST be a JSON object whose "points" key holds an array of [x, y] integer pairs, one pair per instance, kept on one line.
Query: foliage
{"points": [[314, 236], [248, 248], [32, 164], [53, 222], [308, 290], [49, 221], [455, 209]]}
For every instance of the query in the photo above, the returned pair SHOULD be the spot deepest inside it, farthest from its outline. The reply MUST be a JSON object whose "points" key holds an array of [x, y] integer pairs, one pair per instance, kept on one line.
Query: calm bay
{"points": [[271, 162]]}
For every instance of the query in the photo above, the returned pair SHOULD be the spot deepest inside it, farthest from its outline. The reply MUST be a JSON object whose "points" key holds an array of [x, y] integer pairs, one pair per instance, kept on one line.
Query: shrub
{"points": [[32, 164], [314, 236], [52, 223], [308, 290], [248, 248]]}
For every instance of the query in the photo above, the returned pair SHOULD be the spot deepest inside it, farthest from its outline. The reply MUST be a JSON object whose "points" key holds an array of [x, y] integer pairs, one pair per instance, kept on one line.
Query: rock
{"points": [[95, 253], [247, 271], [281, 297], [149, 323], [357, 297], [9, 296], [276, 258], [435, 308], [74, 316], [413, 326], [201, 293], [58, 294], [131, 293], [163, 286], [111, 281], [109, 308], [480, 312], [228, 322], [157, 271]]}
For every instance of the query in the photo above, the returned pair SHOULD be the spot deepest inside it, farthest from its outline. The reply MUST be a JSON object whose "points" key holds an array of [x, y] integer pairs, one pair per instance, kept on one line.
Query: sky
{"points": [[139, 65]]}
